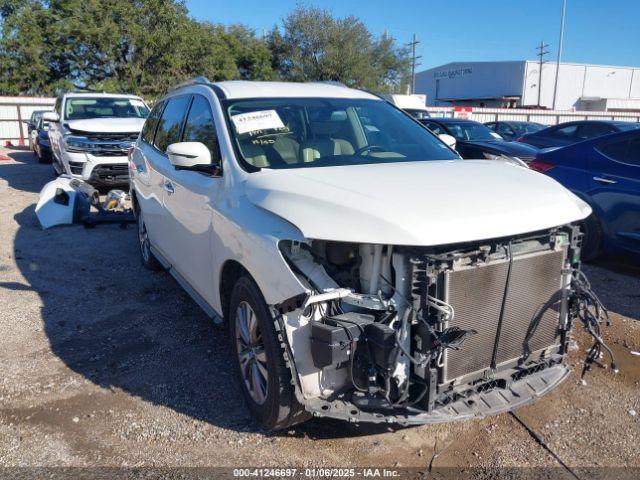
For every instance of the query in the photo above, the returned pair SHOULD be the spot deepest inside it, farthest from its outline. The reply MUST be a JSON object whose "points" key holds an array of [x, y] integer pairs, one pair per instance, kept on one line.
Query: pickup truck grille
{"points": [[476, 294], [113, 137]]}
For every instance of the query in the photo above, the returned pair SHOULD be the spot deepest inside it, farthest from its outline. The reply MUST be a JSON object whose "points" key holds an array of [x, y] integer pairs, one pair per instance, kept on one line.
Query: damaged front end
{"points": [[416, 335]]}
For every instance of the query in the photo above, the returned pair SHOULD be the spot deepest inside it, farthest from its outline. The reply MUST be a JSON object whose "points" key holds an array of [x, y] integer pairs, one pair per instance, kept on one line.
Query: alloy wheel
{"points": [[251, 353]]}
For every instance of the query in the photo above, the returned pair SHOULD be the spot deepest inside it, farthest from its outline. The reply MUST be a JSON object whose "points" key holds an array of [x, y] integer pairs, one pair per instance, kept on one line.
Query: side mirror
{"points": [[189, 155], [448, 139], [50, 117]]}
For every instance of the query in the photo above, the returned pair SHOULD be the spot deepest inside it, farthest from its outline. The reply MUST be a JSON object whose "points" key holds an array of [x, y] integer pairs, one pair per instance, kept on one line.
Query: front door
{"points": [[188, 199]]}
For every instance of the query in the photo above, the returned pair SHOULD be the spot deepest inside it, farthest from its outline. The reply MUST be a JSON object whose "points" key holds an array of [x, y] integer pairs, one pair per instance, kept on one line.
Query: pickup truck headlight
{"points": [[78, 144]]}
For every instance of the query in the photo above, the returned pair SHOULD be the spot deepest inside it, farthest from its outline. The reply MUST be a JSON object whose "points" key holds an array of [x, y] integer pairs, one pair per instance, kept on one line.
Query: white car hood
{"points": [[415, 203], [107, 125]]}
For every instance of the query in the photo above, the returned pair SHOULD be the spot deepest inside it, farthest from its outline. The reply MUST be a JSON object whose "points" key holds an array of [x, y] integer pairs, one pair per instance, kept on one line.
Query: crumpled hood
{"points": [[415, 203], [107, 125]]}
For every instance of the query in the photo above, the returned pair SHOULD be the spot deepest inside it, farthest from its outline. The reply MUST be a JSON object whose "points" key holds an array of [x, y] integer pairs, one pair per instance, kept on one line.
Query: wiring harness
{"points": [[585, 305]]}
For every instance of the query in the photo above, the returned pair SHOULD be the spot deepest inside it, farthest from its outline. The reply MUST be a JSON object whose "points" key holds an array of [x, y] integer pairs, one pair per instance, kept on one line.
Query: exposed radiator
{"points": [[476, 294]]}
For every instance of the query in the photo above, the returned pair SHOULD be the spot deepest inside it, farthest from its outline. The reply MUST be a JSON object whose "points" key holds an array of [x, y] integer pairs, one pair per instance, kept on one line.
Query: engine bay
{"points": [[422, 334]]}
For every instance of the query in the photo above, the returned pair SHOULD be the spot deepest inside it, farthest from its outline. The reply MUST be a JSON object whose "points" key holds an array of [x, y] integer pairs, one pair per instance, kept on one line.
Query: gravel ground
{"points": [[104, 364]]}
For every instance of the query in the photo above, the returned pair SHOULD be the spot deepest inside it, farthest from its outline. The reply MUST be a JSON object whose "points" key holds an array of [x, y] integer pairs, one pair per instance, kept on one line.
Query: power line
{"points": [[541, 53], [414, 61]]}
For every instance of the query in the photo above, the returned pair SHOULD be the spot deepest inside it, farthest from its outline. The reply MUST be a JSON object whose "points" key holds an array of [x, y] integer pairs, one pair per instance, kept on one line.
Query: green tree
{"points": [[139, 46], [316, 46]]}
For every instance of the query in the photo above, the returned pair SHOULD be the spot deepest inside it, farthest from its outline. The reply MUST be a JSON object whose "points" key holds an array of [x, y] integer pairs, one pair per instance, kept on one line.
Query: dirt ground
{"points": [[105, 364]]}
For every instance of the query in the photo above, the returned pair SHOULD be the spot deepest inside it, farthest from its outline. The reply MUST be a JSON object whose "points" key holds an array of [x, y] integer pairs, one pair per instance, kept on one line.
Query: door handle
{"points": [[168, 186], [604, 180]]}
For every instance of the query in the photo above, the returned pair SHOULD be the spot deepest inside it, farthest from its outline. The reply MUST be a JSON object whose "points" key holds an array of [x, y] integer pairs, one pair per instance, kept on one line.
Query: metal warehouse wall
{"points": [[577, 81], [471, 80], [579, 85], [546, 117], [14, 112]]}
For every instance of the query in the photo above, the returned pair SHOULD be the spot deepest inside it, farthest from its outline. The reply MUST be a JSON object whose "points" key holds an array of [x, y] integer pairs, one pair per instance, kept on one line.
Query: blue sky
{"points": [[597, 31]]}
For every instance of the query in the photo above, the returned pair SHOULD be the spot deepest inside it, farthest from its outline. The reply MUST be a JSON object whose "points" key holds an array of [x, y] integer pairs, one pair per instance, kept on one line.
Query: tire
{"points": [[592, 239], [275, 407], [147, 258]]}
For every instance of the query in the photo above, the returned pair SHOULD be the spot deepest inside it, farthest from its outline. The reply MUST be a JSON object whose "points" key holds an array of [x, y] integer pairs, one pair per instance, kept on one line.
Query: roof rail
{"points": [[191, 81]]}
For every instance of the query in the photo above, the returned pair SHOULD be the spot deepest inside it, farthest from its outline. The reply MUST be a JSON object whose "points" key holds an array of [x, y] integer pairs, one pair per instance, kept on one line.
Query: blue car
{"points": [[605, 173]]}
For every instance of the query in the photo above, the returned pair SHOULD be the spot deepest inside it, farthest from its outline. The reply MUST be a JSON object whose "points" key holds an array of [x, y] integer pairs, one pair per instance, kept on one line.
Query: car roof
{"points": [[100, 94], [248, 89]]}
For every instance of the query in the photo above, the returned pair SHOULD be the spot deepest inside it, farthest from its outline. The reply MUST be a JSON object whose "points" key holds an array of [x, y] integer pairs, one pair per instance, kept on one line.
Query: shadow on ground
{"points": [[123, 327], [27, 174]]}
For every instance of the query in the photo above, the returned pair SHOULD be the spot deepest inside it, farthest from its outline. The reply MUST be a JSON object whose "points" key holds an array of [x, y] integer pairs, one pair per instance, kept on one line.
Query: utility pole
{"points": [[541, 53], [555, 86], [414, 61]]}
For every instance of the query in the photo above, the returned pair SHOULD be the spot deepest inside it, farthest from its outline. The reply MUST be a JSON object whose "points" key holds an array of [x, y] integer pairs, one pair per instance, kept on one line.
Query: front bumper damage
{"points": [[476, 405], [400, 354]]}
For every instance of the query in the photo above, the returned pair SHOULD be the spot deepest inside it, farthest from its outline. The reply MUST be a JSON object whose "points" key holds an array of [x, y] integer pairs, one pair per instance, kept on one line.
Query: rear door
{"points": [[615, 175], [168, 131]]}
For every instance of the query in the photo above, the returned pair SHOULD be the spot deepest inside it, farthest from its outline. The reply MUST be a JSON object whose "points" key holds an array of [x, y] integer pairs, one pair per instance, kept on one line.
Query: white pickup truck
{"points": [[91, 133], [364, 270]]}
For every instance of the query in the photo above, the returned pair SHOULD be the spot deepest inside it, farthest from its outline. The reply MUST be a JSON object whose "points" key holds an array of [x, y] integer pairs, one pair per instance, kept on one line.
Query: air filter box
{"points": [[332, 338]]}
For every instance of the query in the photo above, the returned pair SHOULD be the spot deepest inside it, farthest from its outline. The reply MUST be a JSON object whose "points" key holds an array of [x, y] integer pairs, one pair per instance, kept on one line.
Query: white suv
{"points": [[91, 133], [364, 270]]}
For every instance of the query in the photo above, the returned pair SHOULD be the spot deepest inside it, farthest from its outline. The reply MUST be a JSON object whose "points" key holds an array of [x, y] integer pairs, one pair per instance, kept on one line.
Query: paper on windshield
{"points": [[260, 120]]}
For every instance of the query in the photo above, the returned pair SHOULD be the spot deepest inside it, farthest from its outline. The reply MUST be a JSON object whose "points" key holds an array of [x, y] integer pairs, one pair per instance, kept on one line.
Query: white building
{"points": [[517, 84]]}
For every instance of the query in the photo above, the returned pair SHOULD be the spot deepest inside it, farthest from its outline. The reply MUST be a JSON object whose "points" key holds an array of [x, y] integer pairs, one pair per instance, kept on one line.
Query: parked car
{"points": [[41, 145], [91, 133], [605, 173], [511, 130], [338, 254], [572, 132], [474, 140], [33, 120]]}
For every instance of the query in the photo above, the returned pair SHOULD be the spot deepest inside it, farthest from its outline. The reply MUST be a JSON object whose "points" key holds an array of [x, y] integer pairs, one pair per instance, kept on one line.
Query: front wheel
{"points": [[265, 379]]}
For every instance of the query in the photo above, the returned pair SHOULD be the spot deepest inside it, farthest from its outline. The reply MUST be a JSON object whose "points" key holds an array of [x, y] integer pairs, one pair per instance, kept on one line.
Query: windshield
{"points": [[470, 131], [100, 107], [522, 128], [319, 132]]}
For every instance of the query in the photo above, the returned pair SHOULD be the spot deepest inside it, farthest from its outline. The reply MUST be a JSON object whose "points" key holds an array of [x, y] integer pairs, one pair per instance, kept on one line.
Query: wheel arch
{"points": [[230, 272]]}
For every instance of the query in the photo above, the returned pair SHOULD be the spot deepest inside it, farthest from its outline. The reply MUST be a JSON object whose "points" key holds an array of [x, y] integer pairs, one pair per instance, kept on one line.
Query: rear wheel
{"points": [[265, 378], [592, 240], [147, 257]]}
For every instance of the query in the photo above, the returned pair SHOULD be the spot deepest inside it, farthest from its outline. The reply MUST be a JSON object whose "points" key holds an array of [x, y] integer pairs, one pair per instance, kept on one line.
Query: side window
{"points": [[592, 130], [565, 132], [616, 150], [491, 126], [149, 129], [199, 126], [435, 128], [170, 124], [506, 129]]}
